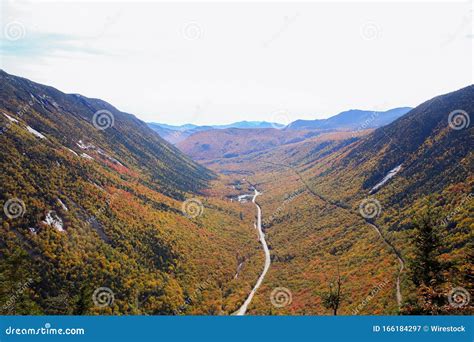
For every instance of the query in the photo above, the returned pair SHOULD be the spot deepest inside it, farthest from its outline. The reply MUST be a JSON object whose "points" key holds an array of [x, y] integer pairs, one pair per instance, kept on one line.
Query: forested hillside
{"points": [[235, 142], [360, 208], [101, 216]]}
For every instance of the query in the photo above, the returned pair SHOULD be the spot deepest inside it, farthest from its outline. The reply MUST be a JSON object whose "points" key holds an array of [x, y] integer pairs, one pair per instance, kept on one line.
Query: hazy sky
{"points": [[222, 62]]}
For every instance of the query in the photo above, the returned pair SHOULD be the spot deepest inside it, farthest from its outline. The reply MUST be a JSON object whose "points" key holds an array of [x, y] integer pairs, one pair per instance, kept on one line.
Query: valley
{"points": [[315, 191], [93, 203]]}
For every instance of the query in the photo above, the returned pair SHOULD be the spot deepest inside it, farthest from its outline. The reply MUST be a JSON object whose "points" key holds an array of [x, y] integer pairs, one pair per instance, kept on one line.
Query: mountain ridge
{"points": [[123, 133], [350, 202], [352, 119], [90, 204], [118, 207]]}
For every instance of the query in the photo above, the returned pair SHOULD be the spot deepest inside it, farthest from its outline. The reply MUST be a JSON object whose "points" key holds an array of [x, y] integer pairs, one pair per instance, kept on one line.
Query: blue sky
{"points": [[216, 63]]}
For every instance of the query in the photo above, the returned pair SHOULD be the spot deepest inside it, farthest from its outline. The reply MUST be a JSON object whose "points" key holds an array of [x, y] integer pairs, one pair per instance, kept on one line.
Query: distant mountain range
{"points": [[233, 142], [176, 134], [239, 124], [242, 138], [353, 119]]}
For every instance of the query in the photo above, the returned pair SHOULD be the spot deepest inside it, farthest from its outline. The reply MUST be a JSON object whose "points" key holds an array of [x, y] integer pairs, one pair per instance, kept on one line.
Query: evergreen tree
{"points": [[425, 267], [426, 271]]}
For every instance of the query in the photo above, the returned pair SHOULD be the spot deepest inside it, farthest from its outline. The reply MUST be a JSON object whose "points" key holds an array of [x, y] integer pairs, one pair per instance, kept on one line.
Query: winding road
{"points": [[261, 235], [384, 239], [400, 260]]}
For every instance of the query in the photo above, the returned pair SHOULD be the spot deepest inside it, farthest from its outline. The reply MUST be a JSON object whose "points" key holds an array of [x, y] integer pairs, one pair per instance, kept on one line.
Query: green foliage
{"points": [[123, 226], [332, 299], [425, 267]]}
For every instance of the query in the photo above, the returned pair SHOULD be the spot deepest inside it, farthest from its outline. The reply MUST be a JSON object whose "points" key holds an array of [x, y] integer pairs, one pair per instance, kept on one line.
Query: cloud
{"points": [[41, 45], [210, 63]]}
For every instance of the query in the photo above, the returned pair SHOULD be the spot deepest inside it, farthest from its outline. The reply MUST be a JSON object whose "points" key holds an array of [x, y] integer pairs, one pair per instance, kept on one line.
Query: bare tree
{"points": [[333, 298]]}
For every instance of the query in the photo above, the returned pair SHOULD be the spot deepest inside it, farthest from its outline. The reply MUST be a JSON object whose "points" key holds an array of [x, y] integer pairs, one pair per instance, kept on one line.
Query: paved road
{"points": [[400, 260], [261, 235]]}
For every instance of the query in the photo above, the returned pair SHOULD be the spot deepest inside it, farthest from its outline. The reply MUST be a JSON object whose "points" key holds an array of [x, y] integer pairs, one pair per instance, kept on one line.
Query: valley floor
{"points": [[305, 258]]}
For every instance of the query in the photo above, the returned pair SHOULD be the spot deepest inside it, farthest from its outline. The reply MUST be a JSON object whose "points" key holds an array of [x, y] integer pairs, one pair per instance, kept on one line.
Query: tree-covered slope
{"points": [[421, 163], [71, 118], [349, 208], [432, 143], [112, 216]]}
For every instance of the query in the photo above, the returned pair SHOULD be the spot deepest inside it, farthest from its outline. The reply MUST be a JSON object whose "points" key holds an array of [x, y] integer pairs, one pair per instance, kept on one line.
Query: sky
{"points": [[216, 63]]}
